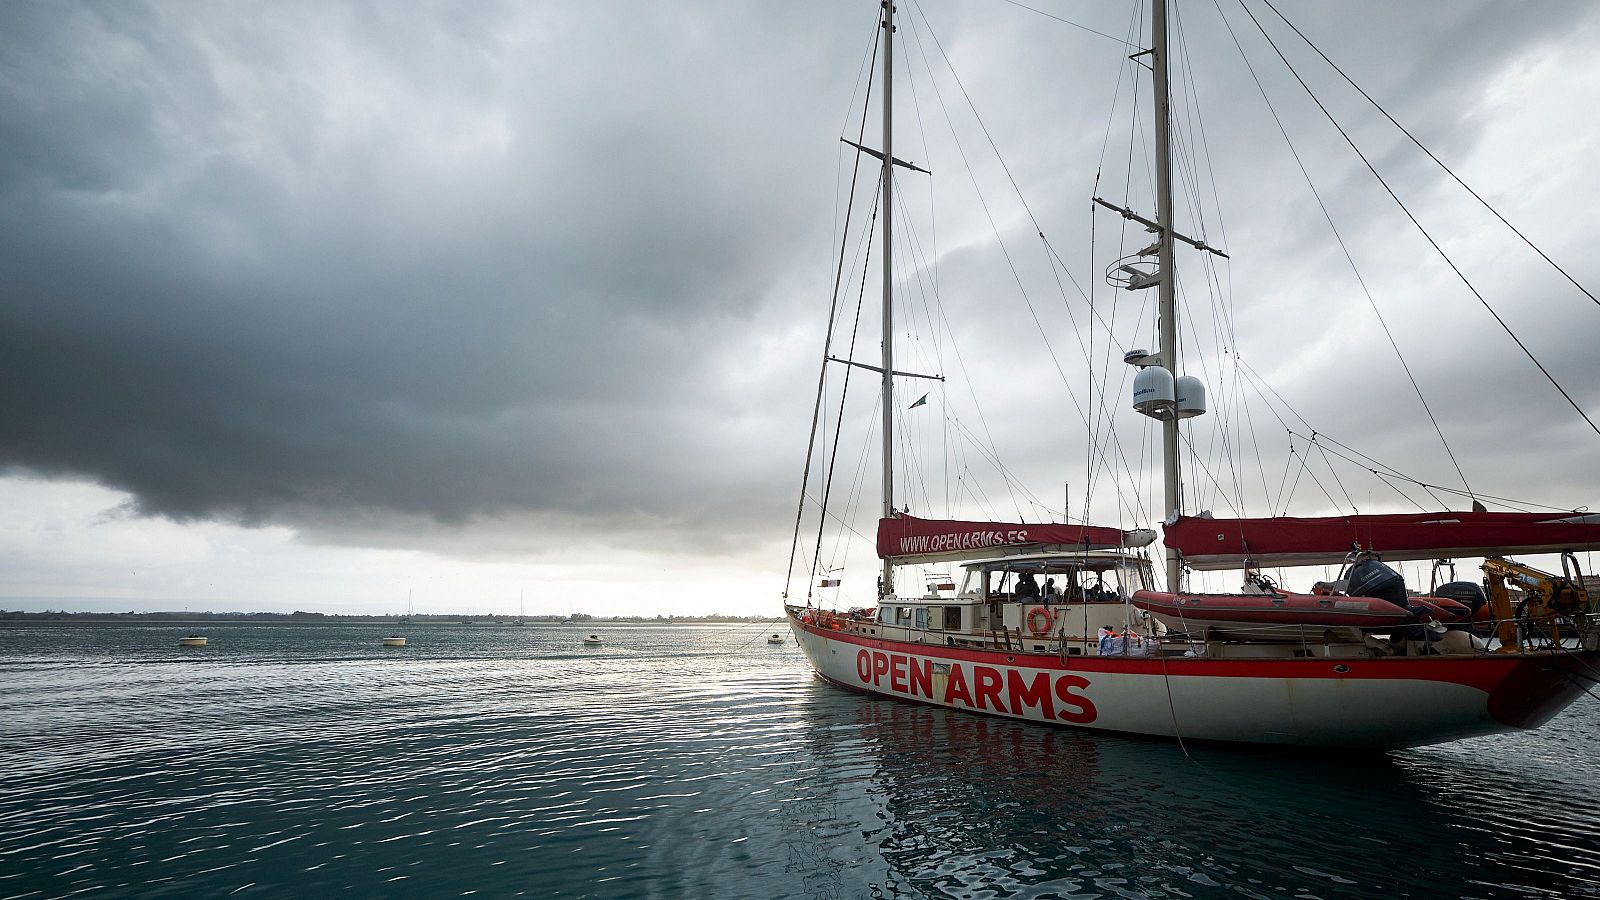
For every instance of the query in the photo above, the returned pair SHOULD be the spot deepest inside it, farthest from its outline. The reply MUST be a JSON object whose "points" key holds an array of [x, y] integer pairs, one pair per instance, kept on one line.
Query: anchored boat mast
{"points": [[1169, 273], [886, 585]]}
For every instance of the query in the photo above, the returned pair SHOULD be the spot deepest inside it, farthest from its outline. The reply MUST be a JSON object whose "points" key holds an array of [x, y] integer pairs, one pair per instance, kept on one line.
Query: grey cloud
{"points": [[250, 276], [442, 277]]}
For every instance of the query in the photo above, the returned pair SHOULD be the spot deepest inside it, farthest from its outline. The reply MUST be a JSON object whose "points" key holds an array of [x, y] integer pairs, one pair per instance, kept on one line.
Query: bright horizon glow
{"points": [[83, 550]]}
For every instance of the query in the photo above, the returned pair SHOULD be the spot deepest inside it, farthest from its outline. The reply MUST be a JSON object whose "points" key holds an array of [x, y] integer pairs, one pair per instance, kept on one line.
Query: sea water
{"points": [[699, 761]]}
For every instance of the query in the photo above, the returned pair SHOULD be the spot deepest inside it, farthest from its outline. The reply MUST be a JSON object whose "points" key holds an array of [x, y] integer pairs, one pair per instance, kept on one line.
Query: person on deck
{"points": [[1051, 592], [1027, 587]]}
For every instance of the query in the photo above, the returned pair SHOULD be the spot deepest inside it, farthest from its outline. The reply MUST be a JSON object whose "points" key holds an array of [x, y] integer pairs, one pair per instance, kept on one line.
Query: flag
{"points": [[922, 402], [830, 582]]}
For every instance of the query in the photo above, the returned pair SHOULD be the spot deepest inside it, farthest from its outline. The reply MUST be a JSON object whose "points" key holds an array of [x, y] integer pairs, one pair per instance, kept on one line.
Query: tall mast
{"points": [[886, 587], [1169, 273]]}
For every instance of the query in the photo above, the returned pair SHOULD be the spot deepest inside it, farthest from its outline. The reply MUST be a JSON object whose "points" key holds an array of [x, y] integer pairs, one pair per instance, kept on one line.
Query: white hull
{"points": [[1377, 703]]}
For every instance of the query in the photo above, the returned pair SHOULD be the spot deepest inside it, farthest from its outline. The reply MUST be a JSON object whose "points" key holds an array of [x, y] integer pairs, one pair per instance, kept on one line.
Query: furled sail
{"points": [[908, 539], [1207, 543]]}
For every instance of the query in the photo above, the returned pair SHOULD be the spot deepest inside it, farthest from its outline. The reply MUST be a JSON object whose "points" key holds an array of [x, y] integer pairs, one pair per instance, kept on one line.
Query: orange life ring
{"points": [[1049, 620]]}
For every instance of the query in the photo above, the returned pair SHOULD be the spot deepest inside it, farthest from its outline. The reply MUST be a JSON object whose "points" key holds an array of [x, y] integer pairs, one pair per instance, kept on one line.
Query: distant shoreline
{"points": [[313, 618]]}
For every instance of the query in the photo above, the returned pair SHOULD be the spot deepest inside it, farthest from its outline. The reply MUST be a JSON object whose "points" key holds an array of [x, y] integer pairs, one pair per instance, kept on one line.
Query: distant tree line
{"points": [[305, 616]]}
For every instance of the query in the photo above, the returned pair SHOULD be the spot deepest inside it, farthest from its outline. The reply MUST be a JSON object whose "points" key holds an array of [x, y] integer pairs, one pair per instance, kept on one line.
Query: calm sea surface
{"points": [[688, 761]]}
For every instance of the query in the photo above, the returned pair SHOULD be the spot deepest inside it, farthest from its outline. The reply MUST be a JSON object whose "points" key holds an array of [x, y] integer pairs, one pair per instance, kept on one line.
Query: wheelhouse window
{"points": [[1068, 580]]}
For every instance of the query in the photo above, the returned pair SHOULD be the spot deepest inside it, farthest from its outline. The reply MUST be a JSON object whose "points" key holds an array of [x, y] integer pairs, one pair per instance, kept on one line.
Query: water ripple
{"points": [[284, 761]]}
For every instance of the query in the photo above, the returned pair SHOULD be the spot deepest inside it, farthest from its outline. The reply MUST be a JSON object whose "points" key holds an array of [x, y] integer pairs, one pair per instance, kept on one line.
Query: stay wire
{"points": [[1420, 146], [1349, 258], [858, 485], [1394, 473], [1385, 479], [911, 22], [844, 391], [1429, 237], [1222, 494], [1331, 502], [827, 342], [1331, 471], [1262, 387], [930, 264], [1073, 24]]}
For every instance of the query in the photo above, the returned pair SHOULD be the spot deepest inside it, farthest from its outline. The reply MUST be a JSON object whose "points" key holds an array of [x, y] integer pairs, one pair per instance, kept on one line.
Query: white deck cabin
{"points": [[1043, 603]]}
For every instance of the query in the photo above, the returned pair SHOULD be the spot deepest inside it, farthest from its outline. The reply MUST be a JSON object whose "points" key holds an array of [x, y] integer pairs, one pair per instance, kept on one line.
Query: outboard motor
{"points": [[1469, 594], [1371, 578]]}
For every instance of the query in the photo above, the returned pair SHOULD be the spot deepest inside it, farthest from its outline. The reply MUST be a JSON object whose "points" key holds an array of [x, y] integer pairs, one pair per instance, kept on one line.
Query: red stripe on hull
{"points": [[1373, 703], [1513, 680]]}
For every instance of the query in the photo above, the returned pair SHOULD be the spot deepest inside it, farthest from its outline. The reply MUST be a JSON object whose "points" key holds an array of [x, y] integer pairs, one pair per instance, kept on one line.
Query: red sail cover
{"points": [[913, 540], [1228, 543]]}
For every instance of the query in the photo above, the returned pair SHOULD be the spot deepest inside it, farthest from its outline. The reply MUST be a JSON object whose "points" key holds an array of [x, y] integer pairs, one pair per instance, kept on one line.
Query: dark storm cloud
{"points": [[377, 272], [280, 262]]}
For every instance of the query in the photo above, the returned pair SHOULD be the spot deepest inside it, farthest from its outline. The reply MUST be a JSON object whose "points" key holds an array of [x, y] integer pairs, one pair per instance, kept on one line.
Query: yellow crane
{"points": [[1550, 600]]}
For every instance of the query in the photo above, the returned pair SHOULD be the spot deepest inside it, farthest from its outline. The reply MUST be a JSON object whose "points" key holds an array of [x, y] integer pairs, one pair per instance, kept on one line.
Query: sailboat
{"points": [[1352, 663]]}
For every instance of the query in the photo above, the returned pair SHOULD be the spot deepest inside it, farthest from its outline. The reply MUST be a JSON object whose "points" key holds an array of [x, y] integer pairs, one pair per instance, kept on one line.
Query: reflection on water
{"points": [[981, 807], [285, 761]]}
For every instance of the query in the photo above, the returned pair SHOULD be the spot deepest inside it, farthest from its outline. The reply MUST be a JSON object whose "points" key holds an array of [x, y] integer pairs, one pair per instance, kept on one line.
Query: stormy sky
{"points": [[315, 305]]}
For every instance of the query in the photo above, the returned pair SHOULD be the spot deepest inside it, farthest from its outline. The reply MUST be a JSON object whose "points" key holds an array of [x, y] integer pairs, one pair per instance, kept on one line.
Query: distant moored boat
{"points": [[394, 640], [592, 640], [193, 640]]}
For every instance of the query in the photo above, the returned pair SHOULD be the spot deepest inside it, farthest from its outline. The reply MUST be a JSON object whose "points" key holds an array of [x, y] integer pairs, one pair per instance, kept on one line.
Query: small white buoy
{"points": [[193, 640], [394, 640], [592, 640], [775, 639]]}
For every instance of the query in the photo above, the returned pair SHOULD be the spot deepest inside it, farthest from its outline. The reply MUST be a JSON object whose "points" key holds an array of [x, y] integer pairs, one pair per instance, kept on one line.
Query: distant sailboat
{"points": [[519, 620]]}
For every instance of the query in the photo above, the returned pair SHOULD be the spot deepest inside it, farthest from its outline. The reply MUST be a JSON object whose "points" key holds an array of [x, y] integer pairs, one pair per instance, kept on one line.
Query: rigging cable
{"points": [[855, 329], [1095, 451], [1020, 197], [1331, 471], [1331, 502], [1190, 159], [930, 265], [1430, 155], [858, 484], [1431, 487], [1073, 24], [1435, 244], [833, 309], [1223, 495], [1262, 386], [1337, 236]]}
